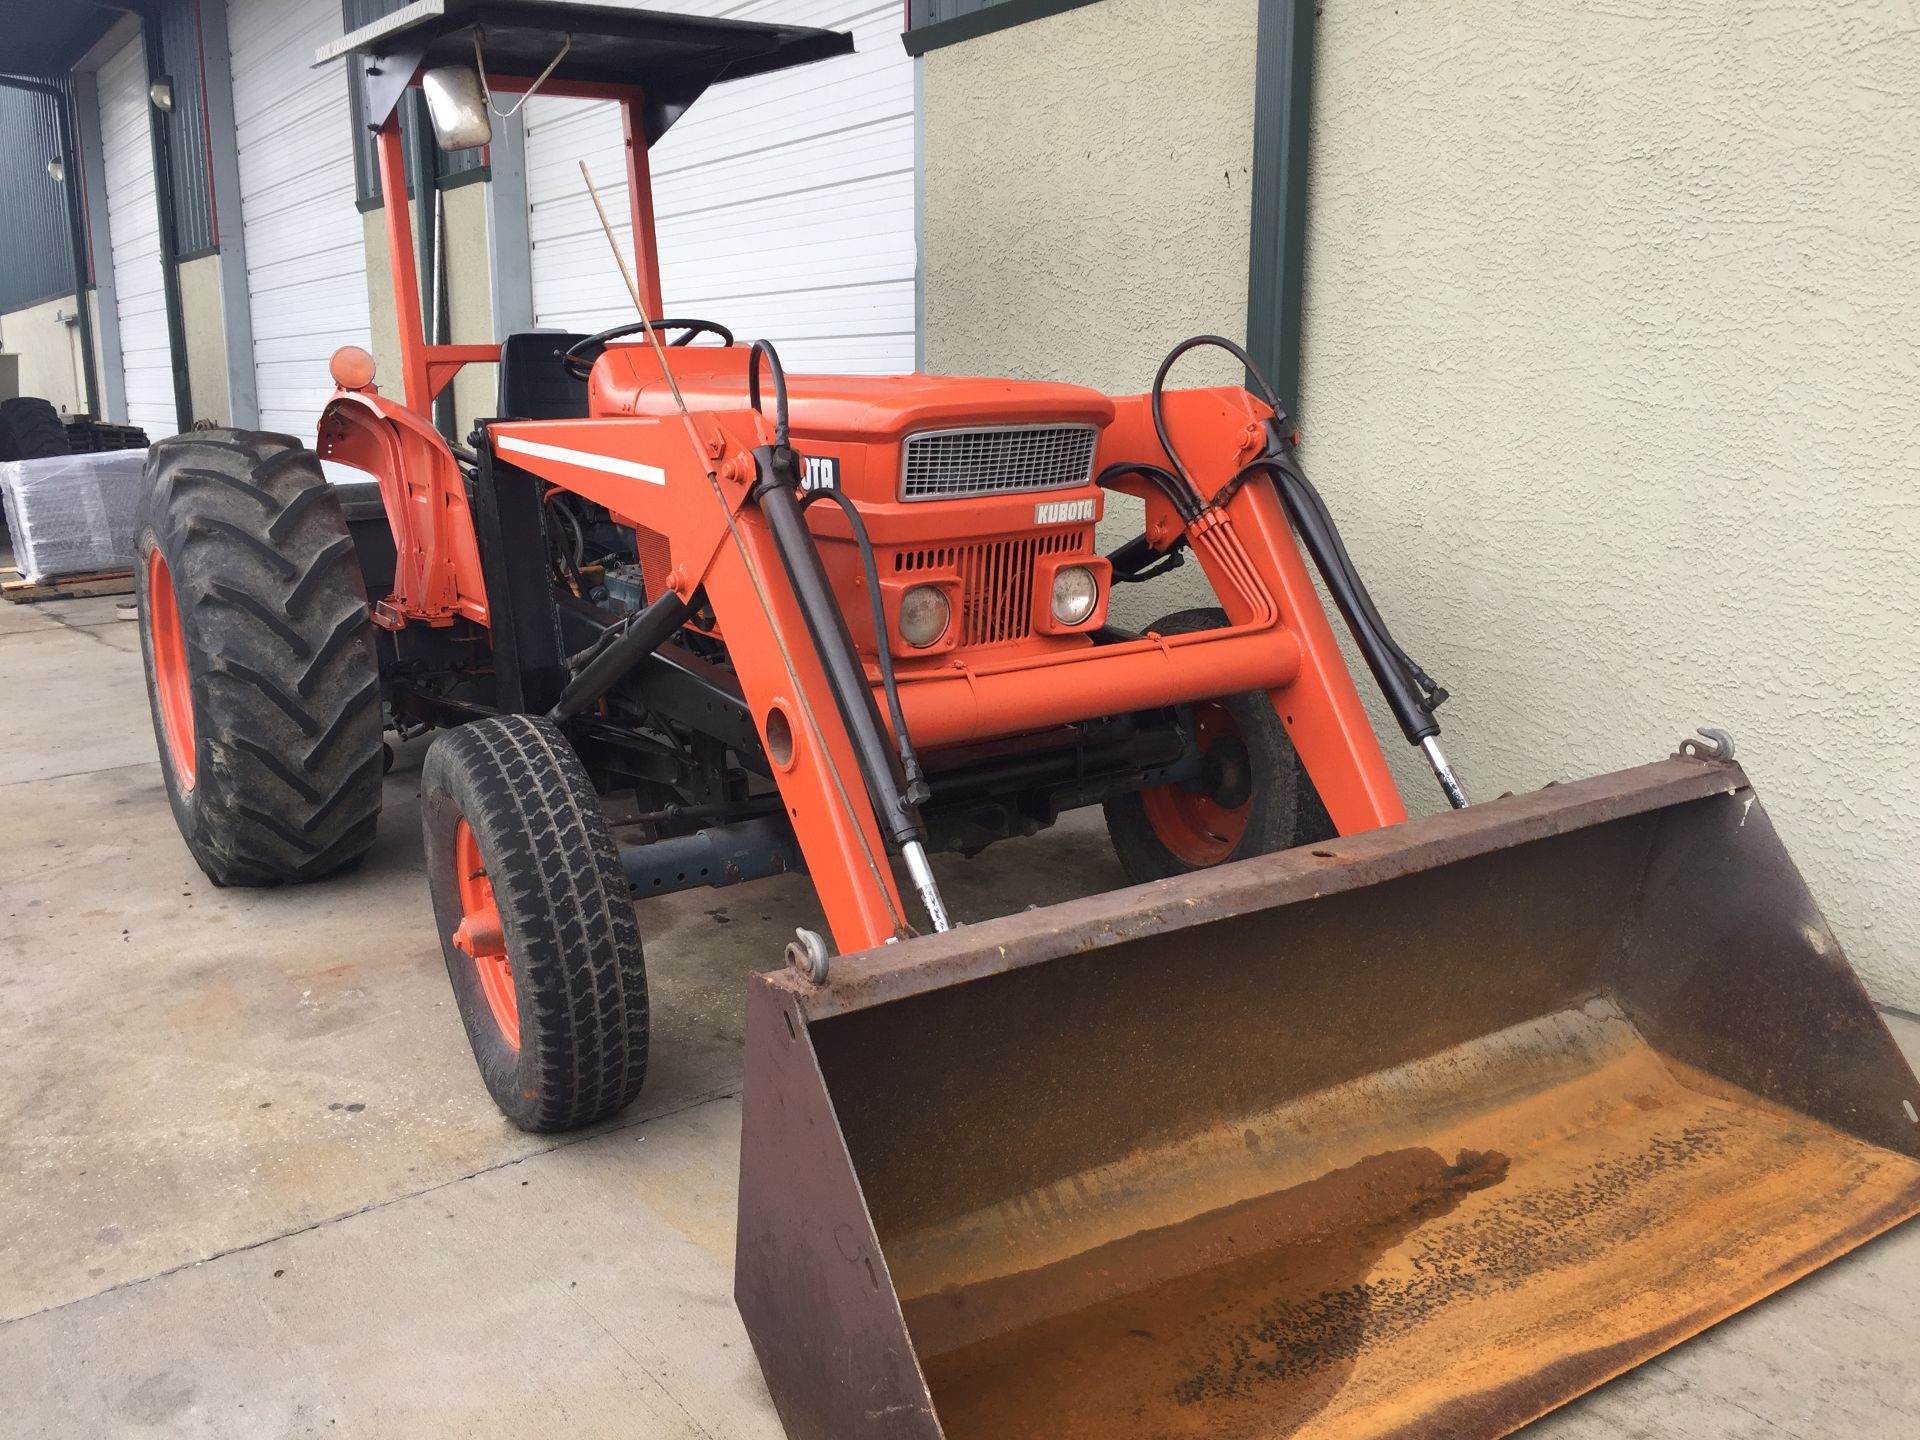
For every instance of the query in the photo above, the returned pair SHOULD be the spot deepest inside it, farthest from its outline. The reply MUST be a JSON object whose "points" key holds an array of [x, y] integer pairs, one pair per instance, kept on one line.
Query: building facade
{"points": [[1608, 365], [234, 232], [1599, 323]]}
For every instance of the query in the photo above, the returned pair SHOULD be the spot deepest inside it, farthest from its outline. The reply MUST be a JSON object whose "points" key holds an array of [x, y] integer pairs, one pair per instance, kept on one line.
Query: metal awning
{"points": [[671, 58], [44, 41]]}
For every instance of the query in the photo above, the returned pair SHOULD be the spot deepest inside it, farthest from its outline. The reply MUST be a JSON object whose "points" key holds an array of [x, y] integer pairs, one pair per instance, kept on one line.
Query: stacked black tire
{"points": [[31, 429], [286, 783]]}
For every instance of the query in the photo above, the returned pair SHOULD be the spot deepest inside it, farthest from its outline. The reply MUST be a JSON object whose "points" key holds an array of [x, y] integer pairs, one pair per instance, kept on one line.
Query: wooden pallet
{"points": [[67, 587]]}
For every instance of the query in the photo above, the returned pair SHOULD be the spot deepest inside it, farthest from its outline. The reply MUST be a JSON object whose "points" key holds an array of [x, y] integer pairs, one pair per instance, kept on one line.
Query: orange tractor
{"points": [[1335, 1123]]}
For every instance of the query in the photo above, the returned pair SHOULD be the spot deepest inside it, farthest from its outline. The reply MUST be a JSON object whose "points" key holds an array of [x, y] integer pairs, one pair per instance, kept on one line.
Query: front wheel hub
{"points": [[1202, 823], [480, 935], [172, 678]]}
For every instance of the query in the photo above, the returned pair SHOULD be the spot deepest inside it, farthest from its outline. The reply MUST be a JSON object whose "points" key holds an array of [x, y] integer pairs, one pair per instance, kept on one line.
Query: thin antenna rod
{"points": [[626, 274]]}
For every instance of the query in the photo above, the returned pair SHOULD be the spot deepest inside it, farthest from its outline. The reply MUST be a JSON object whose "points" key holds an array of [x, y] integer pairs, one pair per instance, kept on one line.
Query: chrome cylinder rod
{"points": [[1443, 772], [915, 854]]}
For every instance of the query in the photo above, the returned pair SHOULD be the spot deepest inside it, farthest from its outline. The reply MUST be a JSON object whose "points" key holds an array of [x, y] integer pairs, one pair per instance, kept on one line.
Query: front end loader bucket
{"points": [[1418, 1133]]}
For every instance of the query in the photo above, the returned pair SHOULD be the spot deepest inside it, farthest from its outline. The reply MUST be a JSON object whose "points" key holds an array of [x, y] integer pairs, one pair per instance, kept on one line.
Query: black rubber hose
{"points": [[1219, 342], [909, 762], [1411, 693], [1177, 492], [1310, 493], [833, 646], [762, 348], [916, 787]]}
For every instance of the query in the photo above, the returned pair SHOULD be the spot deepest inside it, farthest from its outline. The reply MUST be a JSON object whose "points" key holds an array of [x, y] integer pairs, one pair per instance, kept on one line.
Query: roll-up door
{"points": [[784, 203]]}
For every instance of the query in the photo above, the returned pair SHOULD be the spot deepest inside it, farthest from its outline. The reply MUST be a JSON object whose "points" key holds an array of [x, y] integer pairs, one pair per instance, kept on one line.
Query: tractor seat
{"points": [[534, 385]]}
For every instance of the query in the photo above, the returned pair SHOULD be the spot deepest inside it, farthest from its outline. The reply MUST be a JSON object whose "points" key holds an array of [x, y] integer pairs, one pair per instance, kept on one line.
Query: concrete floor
{"points": [[251, 1186]]}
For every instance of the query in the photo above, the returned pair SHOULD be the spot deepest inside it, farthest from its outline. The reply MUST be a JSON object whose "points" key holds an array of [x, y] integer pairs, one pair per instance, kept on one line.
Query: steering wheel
{"points": [[578, 357]]}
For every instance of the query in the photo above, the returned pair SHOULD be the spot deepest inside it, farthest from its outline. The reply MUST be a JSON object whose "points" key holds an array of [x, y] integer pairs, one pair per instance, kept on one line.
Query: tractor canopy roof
{"points": [[671, 59]]}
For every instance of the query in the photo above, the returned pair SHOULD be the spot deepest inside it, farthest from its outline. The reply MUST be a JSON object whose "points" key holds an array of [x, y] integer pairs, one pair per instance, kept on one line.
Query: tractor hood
{"points": [[852, 408]]}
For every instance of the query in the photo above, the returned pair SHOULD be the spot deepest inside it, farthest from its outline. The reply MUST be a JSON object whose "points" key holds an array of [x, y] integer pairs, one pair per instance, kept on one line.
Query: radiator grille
{"points": [[1004, 460], [996, 581]]}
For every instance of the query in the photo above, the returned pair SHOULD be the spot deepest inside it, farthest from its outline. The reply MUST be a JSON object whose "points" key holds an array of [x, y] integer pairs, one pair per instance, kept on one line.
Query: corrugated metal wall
{"points": [[306, 247], [932, 12], [187, 128], [932, 24], [784, 204], [34, 239]]}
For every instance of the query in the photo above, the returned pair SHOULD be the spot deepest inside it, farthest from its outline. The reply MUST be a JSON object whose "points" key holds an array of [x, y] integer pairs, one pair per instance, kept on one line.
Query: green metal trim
{"points": [[160, 140], [1282, 113], [459, 179], [996, 15], [82, 256]]}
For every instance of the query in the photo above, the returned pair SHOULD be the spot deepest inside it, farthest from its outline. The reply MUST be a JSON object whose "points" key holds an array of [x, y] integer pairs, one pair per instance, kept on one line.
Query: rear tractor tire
{"points": [[1252, 797], [261, 667], [535, 922]]}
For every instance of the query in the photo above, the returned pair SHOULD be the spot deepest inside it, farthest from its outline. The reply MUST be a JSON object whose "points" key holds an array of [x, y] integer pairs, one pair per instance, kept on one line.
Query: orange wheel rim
{"points": [[480, 935], [172, 680], [1193, 824]]}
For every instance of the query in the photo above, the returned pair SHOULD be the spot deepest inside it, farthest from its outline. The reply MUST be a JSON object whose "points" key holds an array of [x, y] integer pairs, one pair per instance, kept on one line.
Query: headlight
{"points": [[924, 614], [1075, 594]]}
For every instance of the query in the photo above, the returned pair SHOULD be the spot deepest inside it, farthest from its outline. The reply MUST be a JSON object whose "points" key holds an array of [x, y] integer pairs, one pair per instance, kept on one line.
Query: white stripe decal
{"points": [[586, 460]]}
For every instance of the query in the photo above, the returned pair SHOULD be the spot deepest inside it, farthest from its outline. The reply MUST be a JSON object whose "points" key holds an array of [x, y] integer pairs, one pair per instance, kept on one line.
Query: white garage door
{"points": [[784, 203], [133, 224], [306, 259]]}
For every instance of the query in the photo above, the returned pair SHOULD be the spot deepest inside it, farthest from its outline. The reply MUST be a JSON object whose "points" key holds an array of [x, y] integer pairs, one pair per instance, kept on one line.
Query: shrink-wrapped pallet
{"points": [[73, 514]]}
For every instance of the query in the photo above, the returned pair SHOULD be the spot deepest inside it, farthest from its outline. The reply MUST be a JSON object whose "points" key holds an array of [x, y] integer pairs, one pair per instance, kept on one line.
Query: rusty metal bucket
{"points": [[1422, 1132]]}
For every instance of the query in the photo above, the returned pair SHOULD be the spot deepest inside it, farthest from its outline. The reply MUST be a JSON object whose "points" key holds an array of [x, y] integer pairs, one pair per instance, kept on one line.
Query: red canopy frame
{"points": [[427, 369]]}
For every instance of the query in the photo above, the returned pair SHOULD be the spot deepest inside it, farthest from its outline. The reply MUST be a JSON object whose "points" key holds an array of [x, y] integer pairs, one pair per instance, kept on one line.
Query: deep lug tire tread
{"points": [[285, 677], [572, 940], [31, 429], [1286, 809]]}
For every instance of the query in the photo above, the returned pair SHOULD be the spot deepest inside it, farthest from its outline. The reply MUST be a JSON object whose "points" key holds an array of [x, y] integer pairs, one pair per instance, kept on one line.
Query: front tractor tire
{"points": [[261, 667], [1252, 796], [535, 922]]}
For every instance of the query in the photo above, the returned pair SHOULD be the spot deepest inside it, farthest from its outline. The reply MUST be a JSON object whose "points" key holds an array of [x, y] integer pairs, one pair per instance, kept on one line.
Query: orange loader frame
{"points": [[690, 476]]}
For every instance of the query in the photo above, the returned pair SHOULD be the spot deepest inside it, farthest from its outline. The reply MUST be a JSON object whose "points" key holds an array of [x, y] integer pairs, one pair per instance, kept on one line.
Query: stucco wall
{"points": [[204, 321], [49, 351], [1086, 191], [469, 301], [1611, 371], [1087, 194], [1611, 368]]}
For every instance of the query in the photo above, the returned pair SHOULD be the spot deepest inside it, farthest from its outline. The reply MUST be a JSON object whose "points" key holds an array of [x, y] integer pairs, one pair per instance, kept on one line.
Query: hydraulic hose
{"points": [[762, 349], [1197, 342], [917, 791], [894, 796], [916, 784], [1175, 491], [1410, 692]]}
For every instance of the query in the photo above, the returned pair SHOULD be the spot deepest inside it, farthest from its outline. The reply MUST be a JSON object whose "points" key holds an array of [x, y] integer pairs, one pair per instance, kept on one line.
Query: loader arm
{"points": [[691, 478], [1220, 430]]}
